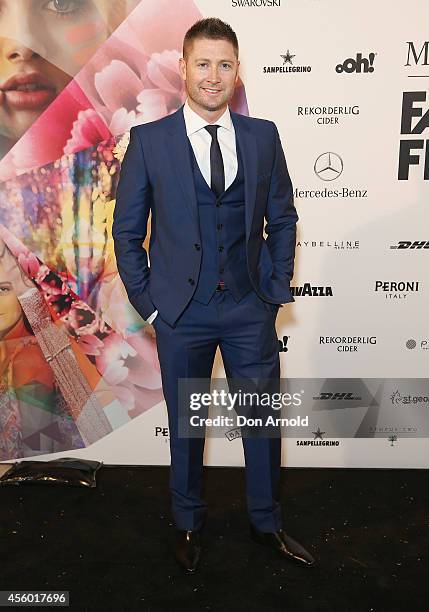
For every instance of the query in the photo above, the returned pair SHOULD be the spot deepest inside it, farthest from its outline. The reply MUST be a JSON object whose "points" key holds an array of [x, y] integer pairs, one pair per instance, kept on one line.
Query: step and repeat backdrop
{"points": [[347, 85]]}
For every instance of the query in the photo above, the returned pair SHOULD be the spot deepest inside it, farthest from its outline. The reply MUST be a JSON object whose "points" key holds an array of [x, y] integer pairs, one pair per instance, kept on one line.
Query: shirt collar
{"points": [[194, 122]]}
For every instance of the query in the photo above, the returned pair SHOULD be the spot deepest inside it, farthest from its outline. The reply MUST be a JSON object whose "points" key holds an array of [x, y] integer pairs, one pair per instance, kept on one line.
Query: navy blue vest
{"points": [[223, 236]]}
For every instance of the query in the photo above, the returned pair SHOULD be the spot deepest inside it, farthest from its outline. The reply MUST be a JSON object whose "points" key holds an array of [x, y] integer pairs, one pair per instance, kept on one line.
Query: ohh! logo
{"points": [[358, 65]]}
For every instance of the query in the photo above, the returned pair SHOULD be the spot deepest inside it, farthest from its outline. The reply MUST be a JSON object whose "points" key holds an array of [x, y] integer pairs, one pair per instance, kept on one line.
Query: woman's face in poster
{"points": [[10, 308], [51, 40]]}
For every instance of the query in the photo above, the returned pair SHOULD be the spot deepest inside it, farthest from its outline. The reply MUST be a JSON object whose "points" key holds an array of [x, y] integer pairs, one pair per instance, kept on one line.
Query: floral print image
{"points": [[75, 360]]}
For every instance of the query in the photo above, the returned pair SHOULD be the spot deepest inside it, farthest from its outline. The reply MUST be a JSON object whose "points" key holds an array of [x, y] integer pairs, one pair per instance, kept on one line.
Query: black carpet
{"points": [[111, 546]]}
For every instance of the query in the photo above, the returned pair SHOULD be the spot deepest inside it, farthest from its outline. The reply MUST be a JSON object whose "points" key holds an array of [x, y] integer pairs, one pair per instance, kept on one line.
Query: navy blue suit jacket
{"points": [[156, 175]]}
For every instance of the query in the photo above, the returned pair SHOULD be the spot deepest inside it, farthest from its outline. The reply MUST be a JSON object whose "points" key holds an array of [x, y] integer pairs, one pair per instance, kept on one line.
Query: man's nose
{"points": [[214, 75]]}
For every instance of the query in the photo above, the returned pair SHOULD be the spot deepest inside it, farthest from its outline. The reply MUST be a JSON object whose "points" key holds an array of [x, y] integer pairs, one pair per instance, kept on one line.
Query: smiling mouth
{"points": [[212, 91]]}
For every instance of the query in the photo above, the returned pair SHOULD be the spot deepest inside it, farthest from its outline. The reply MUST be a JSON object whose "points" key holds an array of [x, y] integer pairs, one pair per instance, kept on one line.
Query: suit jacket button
{"points": [[197, 246], [191, 281]]}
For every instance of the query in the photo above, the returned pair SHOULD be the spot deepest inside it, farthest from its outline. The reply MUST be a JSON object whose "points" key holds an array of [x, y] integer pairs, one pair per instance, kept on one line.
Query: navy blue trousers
{"points": [[246, 334]]}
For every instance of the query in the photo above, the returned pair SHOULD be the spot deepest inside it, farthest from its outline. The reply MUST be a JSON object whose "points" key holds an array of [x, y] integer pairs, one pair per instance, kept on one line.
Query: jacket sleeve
{"points": [[281, 215], [130, 217]]}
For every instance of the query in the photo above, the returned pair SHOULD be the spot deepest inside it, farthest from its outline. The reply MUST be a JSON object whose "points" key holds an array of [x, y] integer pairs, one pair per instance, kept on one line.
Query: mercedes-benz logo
{"points": [[328, 166]]}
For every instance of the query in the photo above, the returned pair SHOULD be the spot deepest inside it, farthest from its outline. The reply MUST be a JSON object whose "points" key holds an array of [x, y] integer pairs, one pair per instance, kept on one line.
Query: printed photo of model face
{"points": [[10, 308], [210, 72], [43, 44]]}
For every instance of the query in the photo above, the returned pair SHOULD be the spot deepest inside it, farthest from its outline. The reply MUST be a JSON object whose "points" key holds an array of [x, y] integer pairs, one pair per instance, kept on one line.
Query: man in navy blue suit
{"points": [[209, 177]]}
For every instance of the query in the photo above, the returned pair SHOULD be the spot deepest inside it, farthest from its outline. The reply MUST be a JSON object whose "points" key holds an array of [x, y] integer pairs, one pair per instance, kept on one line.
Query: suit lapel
{"points": [[177, 147], [246, 141]]}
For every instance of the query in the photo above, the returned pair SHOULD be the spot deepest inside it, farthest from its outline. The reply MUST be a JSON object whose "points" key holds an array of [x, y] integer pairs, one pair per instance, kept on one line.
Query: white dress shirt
{"points": [[201, 141]]}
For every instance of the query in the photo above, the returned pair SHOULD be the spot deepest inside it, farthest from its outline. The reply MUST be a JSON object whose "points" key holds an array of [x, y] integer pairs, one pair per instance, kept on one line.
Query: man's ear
{"points": [[182, 68]]}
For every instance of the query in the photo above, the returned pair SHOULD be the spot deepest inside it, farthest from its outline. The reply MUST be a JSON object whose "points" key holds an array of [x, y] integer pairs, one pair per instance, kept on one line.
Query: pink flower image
{"points": [[88, 129]]}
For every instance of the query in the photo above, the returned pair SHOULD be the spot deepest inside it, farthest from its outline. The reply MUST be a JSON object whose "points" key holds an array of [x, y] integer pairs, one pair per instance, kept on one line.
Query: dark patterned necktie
{"points": [[217, 173]]}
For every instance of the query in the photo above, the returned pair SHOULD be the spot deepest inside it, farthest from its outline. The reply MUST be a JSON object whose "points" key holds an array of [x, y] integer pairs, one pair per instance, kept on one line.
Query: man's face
{"points": [[210, 74]]}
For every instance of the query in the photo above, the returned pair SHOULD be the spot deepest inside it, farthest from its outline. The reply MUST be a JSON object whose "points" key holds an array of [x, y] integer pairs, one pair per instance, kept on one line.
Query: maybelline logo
{"points": [[329, 167], [359, 64], [325, 396], [307, 289], [249, 3], [287, 66], [397, 398], [348, 344], [338, 245], [417, 55], [327, 115], [407, 244], [396, 290], [414, 121]]}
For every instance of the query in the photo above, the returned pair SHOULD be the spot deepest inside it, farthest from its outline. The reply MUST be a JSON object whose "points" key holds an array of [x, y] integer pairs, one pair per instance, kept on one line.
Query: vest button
{"points": [[197, 246], [221, 249], [191, 281], [219, 226], [221, 270], [218, 204]]}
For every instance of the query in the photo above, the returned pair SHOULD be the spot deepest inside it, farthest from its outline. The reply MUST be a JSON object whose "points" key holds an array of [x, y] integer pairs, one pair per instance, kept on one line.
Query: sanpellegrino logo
{"points": [[318, 440], [287, 65], [311, 290]]}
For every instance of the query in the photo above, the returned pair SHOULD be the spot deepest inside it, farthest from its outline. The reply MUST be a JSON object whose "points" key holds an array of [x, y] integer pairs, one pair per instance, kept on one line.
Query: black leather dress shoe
{"points": [[284, 544], [188, 550]]}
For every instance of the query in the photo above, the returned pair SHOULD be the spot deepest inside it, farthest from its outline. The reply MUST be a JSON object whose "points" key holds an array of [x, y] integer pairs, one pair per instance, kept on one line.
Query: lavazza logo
{"points": [[287, 66], [329, 167], [396, 290], [348, 344], [336, 245], [311, 290], [327, 115]]}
